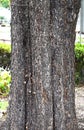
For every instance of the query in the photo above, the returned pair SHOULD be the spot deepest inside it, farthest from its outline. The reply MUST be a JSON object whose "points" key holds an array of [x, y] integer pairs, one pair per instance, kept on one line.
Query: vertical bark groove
{"points": [[42, 91], [62, 55]]}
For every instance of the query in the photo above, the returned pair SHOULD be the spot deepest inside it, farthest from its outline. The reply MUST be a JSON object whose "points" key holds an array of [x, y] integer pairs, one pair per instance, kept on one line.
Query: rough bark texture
{"points": [[18, 63], [42, 90], [39, 111], [63, 22]]}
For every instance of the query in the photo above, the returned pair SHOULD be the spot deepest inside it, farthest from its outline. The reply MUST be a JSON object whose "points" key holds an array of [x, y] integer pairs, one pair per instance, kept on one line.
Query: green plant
{"points": [[5, 54], [5, 80], [5, 3], [79, 62], [79, 51], [6, 47], [3, 105]]}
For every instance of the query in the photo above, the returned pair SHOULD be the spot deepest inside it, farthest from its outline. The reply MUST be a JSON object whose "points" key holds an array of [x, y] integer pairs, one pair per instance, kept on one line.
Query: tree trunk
{"points": [[42, 90], [63, 23]]}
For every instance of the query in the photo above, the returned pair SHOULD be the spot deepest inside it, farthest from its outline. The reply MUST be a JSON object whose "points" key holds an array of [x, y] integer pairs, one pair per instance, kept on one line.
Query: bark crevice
{"points": [[42, 96]]}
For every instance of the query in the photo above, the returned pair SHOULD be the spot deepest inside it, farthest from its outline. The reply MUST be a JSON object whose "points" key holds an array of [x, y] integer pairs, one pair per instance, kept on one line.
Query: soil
{"points": [[79, 100]]}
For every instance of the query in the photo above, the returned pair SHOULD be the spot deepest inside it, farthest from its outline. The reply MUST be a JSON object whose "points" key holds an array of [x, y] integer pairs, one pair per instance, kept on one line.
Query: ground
{"points": [[79, 99]]}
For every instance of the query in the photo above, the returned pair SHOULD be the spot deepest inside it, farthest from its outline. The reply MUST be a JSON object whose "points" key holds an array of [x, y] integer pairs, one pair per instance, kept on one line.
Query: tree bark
{"points": [[42, 90], [40, 98], [63, 23], [20, 36]]}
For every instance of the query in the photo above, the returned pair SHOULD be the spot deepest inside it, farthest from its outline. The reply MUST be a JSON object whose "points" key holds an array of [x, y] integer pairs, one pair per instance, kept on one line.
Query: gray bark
{"points": [[42, 90], [63, 22], [40, 98]]}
